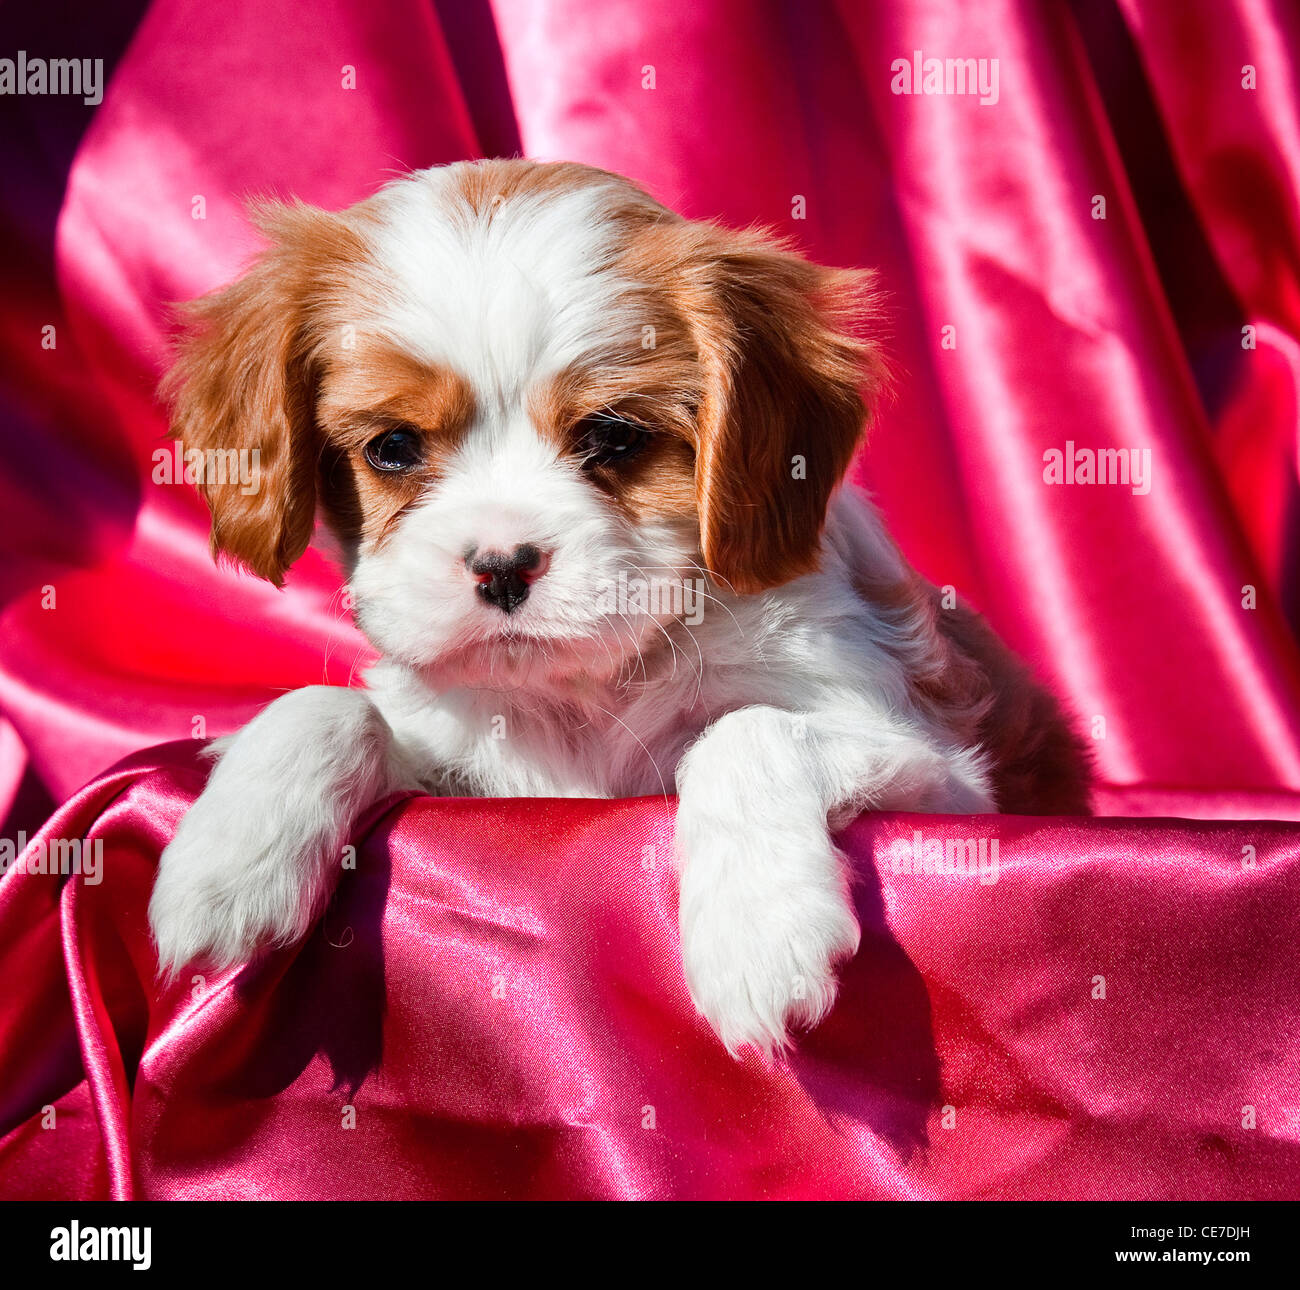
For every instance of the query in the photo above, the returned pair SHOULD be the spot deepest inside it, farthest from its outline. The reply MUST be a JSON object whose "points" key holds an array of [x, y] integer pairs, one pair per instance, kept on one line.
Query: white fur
{"points": [[256, 857], [774, 717], [503, 298]]}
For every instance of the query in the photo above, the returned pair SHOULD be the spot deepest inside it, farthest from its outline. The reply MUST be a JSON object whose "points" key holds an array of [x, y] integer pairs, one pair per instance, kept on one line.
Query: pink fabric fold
{"points": [[493, 1006]]}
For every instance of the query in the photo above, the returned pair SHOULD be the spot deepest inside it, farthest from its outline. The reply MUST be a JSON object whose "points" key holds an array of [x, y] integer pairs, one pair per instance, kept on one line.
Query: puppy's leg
{"points": [[765, 911], [256, 857]]}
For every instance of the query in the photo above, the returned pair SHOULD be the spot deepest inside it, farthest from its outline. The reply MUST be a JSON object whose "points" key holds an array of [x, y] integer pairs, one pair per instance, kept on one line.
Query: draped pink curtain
{"points": [[1107, 257]]}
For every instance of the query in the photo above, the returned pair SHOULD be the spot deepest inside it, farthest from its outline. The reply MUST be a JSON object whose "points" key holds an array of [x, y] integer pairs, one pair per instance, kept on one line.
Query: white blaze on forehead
{"points": [[504, 295], [507, 485]]}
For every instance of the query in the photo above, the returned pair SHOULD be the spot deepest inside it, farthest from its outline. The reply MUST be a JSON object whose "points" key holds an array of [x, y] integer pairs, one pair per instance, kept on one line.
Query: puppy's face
{"points": [[537, 409]]}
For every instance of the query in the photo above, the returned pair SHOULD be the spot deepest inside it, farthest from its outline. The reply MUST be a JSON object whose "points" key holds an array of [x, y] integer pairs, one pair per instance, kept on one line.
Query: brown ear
{"points": [[244, 383], [785, 404]]}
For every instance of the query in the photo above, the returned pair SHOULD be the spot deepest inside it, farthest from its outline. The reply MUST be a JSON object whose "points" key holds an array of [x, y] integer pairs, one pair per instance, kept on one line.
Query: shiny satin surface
{"points": [[497, 989], [496, 993]]}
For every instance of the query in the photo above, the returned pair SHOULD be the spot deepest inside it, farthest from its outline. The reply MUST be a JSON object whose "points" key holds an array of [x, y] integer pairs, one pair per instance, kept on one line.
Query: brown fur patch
{"points": [[489, 183], [784, 388], [654, 388], [246, 379], [364, 393], [969, 683]]}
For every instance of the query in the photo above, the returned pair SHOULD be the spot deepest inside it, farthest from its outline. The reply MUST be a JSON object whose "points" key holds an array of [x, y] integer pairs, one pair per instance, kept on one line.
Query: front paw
{"points": [[225, 890], [761, 938]]}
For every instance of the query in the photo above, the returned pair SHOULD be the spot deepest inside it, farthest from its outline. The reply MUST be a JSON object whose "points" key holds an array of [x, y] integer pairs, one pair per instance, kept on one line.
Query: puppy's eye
{"points": [[605, 439], [395, 450]]}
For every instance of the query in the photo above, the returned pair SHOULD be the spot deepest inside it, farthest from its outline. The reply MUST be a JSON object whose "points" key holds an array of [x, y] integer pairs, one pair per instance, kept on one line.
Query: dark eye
{"points": [[606, 439], [395, 450]]}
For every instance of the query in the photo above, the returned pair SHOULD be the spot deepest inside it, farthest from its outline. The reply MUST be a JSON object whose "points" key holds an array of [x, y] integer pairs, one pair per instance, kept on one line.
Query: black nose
{"points": [[503, 580]]}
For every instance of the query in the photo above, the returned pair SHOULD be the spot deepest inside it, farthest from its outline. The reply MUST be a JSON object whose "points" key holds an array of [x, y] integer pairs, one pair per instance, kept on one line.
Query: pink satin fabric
{"points": [[496, 993], [117, 632]]}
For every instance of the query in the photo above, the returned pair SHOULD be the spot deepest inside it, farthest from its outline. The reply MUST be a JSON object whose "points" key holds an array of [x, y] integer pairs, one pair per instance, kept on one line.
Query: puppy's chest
{"points": [[595, 748]]}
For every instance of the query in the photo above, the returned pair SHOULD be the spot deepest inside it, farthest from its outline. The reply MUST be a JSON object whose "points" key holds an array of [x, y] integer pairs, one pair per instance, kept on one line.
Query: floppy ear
{"points": [[244, 383], [786, 397]]}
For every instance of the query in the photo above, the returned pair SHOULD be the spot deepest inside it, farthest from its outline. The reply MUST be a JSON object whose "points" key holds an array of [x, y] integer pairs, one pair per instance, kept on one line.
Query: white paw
{"points": [[230, 884], [761, 938], [254, 861]]}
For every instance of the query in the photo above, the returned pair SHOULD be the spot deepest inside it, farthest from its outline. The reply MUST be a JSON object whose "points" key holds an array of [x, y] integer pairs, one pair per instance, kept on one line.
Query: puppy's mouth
{"points": [[529, 641], [516, 653]]}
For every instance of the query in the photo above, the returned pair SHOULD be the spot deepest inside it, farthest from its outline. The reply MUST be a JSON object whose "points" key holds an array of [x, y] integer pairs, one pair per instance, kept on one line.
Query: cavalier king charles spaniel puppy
{"points": [[583, 460]]}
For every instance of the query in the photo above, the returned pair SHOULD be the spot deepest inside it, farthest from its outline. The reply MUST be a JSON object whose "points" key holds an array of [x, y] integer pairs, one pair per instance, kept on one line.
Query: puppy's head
{"points": [[532, 404]]}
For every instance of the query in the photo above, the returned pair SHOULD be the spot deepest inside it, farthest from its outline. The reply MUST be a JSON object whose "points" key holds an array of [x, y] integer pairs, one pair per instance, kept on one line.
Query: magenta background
{"points": [[1124, 332]]}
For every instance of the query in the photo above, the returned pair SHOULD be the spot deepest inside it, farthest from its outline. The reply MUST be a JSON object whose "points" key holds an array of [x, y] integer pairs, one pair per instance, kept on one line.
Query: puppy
{"points": [[583, 461]]}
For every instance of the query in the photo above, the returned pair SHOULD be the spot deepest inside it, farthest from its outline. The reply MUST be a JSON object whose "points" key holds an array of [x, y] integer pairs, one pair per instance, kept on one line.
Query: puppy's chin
{"points": [[549, 663]]}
